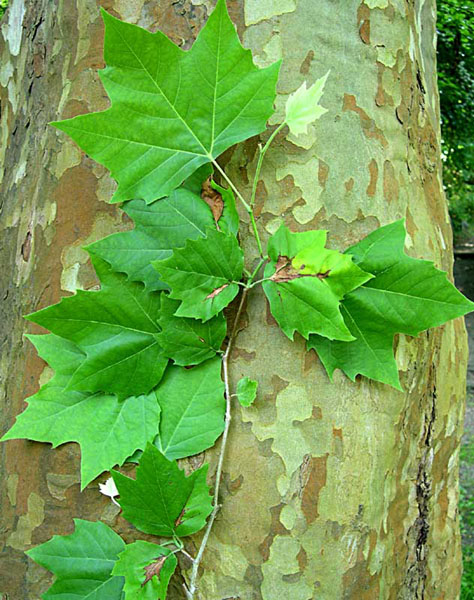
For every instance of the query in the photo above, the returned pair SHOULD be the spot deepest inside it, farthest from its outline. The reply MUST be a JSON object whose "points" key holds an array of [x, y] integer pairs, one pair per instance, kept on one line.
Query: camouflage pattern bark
{"points": [[332, 491]]}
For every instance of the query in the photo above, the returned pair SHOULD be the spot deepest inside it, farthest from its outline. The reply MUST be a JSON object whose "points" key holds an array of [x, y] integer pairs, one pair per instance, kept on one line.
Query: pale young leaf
{"points": [[303, 108]]}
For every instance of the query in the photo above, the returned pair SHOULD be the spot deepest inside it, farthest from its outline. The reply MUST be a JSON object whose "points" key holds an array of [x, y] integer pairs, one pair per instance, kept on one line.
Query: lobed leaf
{"points": [[160, 227], [188, 341], [306, 282], [172, 111], [162, 500], [108, 430], [82, 563], [192, 409], [147, 569], [202, 274], [407, 295], [116, 327], [303, 108]]}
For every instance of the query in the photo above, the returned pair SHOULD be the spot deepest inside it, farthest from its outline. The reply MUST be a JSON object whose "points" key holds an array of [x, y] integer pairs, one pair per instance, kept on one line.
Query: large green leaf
{"points": [[407, 295], [159, 228], [306, 283], [162, 500], [147, 569], [202, 273], [107, 429], [192, 409], [189, 341], [116, 328], [172, 111], [82, 563]]}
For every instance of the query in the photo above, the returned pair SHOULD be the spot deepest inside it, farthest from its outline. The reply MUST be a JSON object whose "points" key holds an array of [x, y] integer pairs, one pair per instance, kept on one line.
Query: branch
{"points": [[190, 591]]}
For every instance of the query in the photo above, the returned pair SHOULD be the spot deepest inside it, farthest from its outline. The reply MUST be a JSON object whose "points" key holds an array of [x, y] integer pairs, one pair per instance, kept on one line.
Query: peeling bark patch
{"points": [[349, 184], [359, 584], [26, 247], [317, 469], [305, 65], [363, 21], [390, 184], [374, 174], [323, 172], [20, 539], [368, 125]]}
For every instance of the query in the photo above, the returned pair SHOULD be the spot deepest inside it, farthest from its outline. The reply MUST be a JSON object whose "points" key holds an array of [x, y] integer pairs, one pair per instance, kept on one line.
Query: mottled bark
{"points": [[331, 491]]}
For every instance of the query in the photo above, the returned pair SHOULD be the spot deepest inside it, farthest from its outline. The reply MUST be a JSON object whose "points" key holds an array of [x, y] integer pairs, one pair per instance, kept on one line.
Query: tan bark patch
{"points": [[390, 183], [374, 174], [315, 483], [368, 125]]}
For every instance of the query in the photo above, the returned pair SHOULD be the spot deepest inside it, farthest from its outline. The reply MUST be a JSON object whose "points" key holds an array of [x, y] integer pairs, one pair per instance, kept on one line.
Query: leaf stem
{"points": [[263, 151], [247, 206], [229, 181], [190, 591], [257, 269]]}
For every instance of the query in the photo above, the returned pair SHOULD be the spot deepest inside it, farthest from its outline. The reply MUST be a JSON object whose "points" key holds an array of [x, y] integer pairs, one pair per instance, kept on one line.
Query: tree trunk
{"points": [[331, 490]]}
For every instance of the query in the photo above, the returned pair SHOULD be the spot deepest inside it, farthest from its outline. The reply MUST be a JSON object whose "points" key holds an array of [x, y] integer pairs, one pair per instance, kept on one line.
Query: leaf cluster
{"points": [[137, 364]]}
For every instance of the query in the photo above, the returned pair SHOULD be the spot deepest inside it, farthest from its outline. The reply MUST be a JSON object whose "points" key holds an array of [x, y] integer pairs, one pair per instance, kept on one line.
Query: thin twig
{"points": [[228, 398], [229, 181], [261, 156], [247, 206]]}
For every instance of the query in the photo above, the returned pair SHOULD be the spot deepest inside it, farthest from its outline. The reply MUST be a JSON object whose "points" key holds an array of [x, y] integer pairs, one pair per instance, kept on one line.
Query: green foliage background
{"points": [[456, 86], [3, 7]]}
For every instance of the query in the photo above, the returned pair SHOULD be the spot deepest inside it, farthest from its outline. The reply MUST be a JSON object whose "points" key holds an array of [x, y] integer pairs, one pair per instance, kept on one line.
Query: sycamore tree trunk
{"points": [[331, 490]]}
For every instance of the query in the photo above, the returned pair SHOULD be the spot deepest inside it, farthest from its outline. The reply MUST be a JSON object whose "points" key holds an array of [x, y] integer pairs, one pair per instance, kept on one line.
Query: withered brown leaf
{"points": [[213, 199], [284, 271], [216, 291], [154, 569]]}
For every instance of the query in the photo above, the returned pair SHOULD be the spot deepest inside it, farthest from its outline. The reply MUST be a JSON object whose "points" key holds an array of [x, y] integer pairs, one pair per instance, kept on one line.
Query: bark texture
{"points": [[331, 491]]}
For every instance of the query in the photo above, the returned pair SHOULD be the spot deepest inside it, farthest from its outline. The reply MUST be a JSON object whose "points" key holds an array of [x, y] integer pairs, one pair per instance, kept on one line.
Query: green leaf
{"points": [[407, 295], [162, 500], [192, 409], [107, 429], [201, 274], [116, 328], [229, 221], [159, 228], [172, 111], [246, 391], [302, 106], [189, 341], [147, 569], [82, 563], [307, 283]]}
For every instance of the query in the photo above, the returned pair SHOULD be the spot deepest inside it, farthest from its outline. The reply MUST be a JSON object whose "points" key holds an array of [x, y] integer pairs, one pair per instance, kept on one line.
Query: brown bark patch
{"points": [[316, 481], [390, 183], [323, 172], [276, 528], [305, 65], [349, 184], [374, 175], [359, 584], [363, 21], [368, 125]]}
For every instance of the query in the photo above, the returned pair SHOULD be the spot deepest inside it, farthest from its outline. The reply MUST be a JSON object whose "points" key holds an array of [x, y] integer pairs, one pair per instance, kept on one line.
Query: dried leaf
{"points": [[213, 199], [216, 292], [154, 569]]}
